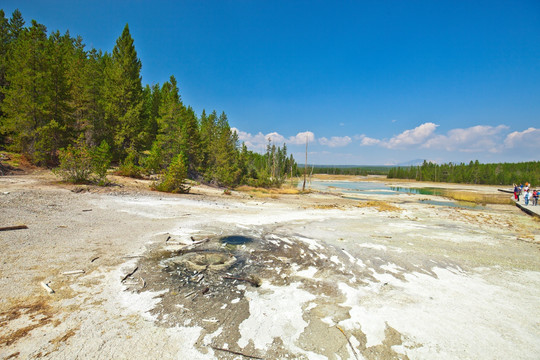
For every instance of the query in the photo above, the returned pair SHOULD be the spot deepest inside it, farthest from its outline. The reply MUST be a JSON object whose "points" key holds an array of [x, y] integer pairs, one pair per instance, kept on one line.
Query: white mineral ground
{"points": [[338, 281]]}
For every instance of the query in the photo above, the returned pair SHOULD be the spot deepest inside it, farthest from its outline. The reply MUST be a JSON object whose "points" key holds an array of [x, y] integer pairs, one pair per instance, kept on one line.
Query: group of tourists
{"points": [[529, 195]]}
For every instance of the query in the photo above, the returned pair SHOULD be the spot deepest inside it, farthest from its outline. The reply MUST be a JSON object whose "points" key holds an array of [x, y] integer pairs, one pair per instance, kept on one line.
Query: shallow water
{"points": [[236, 240], [375, 188], [457, 204]]}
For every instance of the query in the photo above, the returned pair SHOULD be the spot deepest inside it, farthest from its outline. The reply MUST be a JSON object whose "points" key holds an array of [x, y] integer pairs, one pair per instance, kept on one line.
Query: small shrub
{"points": [[174, 177], [152, 163], [101, 160], [129, 166], [81, 164], [75, 163]]}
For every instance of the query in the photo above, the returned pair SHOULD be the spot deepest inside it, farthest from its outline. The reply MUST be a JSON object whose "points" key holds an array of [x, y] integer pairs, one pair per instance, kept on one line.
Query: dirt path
{"points": [[338, 281]]}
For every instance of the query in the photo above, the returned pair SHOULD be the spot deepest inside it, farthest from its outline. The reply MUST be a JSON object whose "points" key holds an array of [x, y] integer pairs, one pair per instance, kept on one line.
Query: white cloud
{"points": [[407, 139], [473, 139], [480, 138], [412, 137], [300, 138], [259, 141], [529, 138], [366, 141], [335, 141]]}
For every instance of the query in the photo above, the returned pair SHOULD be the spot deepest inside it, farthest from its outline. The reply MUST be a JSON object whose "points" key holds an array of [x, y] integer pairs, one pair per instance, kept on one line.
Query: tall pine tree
{"points": [[123, 96], [27, 99]]}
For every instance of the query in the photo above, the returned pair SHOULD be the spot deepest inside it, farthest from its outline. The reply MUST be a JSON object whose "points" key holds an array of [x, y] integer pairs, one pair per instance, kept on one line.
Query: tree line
{"points": [[351, 170], [472, 173], [61, 104]]}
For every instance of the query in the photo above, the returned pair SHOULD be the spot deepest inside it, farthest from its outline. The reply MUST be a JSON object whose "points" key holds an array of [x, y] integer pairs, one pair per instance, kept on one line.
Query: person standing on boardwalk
{"points": [[535, 197], [526, 197], [516, 192]]}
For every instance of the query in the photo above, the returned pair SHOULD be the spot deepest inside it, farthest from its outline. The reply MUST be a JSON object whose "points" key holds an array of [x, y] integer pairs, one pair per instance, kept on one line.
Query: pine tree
{"points": [[4, 44], [174, 177], [189, 139], [16, 25], [82, 81], [225, 169], [94, 124], [207, 141], [9, 33], [27, 99], [168, 123], [123, 95], [150, 119]]}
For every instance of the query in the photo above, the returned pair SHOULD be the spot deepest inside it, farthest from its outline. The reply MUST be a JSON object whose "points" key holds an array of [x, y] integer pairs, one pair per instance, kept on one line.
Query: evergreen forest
{"points": [[351, 170], [81, 110], [472, 173]]}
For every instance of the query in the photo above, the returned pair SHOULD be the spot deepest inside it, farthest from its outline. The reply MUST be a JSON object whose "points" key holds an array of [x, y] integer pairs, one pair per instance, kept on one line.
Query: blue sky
{"points": [[367, 82]]}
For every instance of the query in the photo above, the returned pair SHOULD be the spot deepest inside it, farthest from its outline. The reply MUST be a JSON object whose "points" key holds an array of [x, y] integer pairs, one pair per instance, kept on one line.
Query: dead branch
{"points": [[129, 274], [74, 272], [18, 227], [46, 287], [236, 353], [131, 283], [352, 347], [196, 243], [94, 259], [253, 280], [198, 278]]}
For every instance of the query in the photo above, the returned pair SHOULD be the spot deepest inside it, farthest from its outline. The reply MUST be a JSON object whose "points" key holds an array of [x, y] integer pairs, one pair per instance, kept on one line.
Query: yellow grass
{"points": [[326, 207], [478, 198], [268, 192], [379, 205]]}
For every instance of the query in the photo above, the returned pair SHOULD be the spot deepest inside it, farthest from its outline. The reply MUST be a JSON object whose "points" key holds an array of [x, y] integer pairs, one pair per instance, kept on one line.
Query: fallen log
{"points": [[196, 243], [131, 283], [46, 287], [237, 353], [129, 274], [74, 272], [17, 227]]}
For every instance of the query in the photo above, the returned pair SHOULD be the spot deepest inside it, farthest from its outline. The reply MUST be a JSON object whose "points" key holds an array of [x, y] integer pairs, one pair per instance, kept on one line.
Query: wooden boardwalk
{"points": [[529, 209]]}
